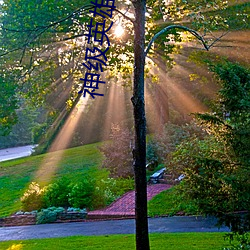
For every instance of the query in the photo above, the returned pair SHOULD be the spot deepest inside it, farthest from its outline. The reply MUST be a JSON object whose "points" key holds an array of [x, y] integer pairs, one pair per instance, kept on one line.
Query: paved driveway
{"points": [[156, 225], [14, 153]]}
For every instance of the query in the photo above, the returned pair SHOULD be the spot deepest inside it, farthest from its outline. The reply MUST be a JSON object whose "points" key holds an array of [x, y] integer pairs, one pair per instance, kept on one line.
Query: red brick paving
{"points": [[125, 205]]}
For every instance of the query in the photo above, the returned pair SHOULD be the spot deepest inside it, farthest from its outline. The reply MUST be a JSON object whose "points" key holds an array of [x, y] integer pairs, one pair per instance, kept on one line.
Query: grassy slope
{"points": [[173, 241], [169, 203], [16, 175]]}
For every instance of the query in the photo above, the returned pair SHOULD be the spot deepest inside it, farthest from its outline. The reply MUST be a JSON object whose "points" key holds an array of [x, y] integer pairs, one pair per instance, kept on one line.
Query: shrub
{"points": [[152, 155], [216, 168], [81, 194], [123, 185], [57, 193], [103, 194], [109, 189], [118, 153], [48, 215], [243, 242], [73, 209], [38, 131], [166, 141], [33, 197]]}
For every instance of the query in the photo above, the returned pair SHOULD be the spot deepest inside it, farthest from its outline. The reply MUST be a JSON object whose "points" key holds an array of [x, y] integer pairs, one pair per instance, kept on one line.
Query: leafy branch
{"points": [[42, 29]]}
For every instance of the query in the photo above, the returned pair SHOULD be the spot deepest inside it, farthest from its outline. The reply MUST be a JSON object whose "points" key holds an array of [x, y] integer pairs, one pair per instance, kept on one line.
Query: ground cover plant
{"points": [[170, 241]]}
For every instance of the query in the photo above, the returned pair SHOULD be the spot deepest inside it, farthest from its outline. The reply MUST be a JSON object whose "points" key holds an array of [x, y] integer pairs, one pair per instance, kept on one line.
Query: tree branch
{"points": [[124, 15], [166, 29], [42, 29], [218, 38]]}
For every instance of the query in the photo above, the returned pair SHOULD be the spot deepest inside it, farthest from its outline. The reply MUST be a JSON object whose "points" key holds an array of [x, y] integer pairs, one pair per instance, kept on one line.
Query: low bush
{"points": [[76, 210], [109, 189], [103, 194], [87, 193], [123, 185], [48, 215], [81, 194], [32, 199], [242, 241], [57, 193]]}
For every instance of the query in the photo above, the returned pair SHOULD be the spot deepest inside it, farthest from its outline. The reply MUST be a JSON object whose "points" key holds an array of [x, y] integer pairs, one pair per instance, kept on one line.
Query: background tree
{"points": [[217, 168], [8, 105], [118, 155]]}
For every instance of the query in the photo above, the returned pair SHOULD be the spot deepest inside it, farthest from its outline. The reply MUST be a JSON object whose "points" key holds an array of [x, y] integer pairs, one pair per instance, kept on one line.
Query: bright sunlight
{"points": [[119, 31]]}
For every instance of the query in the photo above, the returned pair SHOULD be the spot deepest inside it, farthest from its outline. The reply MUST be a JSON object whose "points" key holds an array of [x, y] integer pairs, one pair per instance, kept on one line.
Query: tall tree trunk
{"points": [[139, 152]]}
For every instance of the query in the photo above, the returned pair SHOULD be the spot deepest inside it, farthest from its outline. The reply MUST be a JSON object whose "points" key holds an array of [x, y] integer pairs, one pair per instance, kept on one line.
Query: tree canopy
{"points": [[216, 168], [45, 43]]}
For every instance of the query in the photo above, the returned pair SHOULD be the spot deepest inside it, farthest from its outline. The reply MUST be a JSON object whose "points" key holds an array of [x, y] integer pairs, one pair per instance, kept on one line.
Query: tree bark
{"points": [[139, 151]]}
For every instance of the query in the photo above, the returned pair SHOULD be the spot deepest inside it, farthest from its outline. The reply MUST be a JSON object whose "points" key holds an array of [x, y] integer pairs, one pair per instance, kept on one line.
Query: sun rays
{"points": [[166, 100], [51, 161]]}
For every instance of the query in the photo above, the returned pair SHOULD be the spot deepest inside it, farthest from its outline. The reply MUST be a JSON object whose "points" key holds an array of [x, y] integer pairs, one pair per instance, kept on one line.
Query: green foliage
{"points": [[22, 132], [81, 194], [103, 193], [48, 215], [151, 154], [44, 44], [32, 198], [166, 141], [216, 168], [108, 190], [74, 209], [56, 194], [205, 175], [88, 193], [38, 131], [16, 175], [242, 241], [118, 154], [236, 16], [8, 105], [123, 185], [231, 123]]}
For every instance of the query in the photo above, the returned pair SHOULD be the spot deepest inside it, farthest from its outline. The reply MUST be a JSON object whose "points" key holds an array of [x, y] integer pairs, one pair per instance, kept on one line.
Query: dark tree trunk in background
{"points": [[139, 152]]}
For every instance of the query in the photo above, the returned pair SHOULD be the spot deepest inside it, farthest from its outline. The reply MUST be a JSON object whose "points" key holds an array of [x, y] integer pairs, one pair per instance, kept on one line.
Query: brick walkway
{"points": [[124, 207]]}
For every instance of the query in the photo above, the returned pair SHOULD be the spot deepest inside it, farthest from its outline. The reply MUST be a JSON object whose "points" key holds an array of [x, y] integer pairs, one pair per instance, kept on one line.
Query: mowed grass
{"points": [[169, 202], [170, 241], [16, 175]]}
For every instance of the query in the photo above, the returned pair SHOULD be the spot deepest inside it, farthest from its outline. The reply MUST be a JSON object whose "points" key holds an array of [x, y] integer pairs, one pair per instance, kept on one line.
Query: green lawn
{"points": [[16, 175], [170, 202], [172, 241]]}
